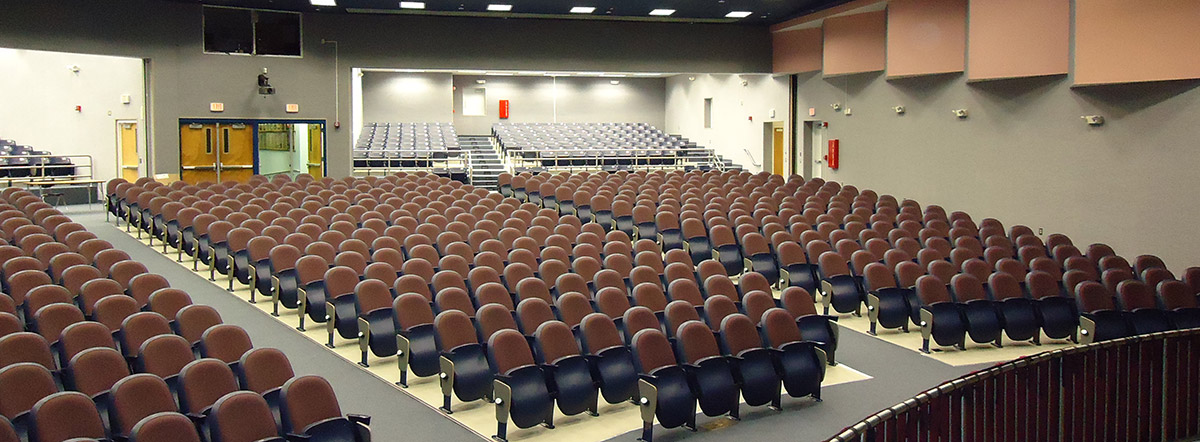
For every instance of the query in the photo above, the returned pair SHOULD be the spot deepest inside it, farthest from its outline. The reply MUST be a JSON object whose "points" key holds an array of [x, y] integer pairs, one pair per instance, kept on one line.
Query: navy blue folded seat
{"points": [[573, 386], [696, 241], [794, 266], [65, 416], [753, 364], [309, 409], [814, 327], [1181, 304], [311, 294], [417, 346], [520, 388], [1100, 318], [838, 287], [726, 250], [984, 323], [1019, 312], [241, 416], [1142, 309], [1058, 315], [941, 318], [887, 302], [711, 372], [664, 386], [670, 235], [463, 363], [164, 427], [608, 353], [799, 362], [341, 315], [376, 322], [285, 281], [136, 397], [264, 371], [259, 254], [758, 256]]}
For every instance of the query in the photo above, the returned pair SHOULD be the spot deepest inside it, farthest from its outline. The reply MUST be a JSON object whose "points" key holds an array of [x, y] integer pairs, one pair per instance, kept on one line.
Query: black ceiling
{"points": [[763, 11]]}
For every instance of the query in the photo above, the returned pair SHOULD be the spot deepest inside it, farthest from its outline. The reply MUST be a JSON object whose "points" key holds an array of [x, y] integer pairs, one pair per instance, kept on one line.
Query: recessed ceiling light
{"points": [[502, 74], [662, 12], [481, 81], [499, 8], [614, 82], [412, 5], [323, 2], [738, 14], [583, 10]]}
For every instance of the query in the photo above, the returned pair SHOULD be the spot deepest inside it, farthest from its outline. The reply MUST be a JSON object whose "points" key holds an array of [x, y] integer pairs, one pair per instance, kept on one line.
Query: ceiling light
{"points": [[499, 8], [502, 74], [662, 12], [323, 2], [614, 82], [738, 14], [412, 5], [481, 81], [648, 74], [583, 10]]}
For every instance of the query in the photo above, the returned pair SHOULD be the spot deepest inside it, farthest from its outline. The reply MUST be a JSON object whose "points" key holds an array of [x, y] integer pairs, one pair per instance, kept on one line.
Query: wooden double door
{"points": [[216, 152]]}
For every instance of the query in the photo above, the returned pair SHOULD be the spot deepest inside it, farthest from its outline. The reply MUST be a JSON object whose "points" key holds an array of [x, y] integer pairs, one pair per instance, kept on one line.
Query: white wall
{"points": [[38, 95], [732, 131], [563, 100], [403, 97]]}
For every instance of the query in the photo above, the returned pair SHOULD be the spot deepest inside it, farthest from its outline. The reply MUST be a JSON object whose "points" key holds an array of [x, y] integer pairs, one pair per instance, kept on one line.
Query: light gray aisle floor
{"points": [[395, 415], [897, 373]]}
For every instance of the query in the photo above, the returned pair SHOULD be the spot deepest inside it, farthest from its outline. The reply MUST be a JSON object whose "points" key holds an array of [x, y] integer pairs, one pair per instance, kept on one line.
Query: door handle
{"points": [[314, 164], [129, 167], [199, 168], [237, 166]]}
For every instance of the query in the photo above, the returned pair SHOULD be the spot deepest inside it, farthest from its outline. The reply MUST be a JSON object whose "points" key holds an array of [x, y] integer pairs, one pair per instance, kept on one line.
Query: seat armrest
{"points": [[294, 437], [359, 418]]}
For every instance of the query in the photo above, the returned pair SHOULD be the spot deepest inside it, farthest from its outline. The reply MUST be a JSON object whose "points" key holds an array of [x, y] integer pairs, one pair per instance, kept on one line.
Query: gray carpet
{"points": [[897, 373]]}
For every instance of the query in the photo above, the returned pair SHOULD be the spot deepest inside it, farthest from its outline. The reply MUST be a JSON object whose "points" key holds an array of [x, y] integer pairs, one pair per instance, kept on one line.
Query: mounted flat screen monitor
{"points": [[251, 32], [228, 31], [277, 33]]}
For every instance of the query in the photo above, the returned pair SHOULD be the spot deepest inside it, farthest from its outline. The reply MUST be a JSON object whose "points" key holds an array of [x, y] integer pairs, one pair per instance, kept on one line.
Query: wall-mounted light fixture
{"points": [[1093, 120], [899, 110], [836, 106], [960, 113]]}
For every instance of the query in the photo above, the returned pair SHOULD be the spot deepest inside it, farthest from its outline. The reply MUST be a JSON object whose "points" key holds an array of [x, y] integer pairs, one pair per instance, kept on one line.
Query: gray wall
{"points": [[406, 97], [1025, 156], [561, 99], [183, 80]]}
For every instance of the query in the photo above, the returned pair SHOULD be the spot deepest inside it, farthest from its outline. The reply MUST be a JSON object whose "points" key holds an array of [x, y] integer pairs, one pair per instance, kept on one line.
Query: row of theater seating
{"points": [[380, 280], [535, 232], [403, 144], [93, 346], [607, 145], [19, 161], [863, 248]]}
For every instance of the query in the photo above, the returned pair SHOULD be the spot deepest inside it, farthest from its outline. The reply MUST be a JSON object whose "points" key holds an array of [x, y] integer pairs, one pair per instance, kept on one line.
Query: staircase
{"points": [[485, 165]]}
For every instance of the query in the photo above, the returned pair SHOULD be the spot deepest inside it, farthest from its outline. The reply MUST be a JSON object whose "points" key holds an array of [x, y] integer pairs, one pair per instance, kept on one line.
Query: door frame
{"points": [[254, 122], [769, 129], [143, 169]]}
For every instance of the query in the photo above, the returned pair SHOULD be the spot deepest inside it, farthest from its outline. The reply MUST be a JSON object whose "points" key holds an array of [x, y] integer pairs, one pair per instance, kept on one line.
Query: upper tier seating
{"points": [[402, 144], [18, 161], [579, 144]]}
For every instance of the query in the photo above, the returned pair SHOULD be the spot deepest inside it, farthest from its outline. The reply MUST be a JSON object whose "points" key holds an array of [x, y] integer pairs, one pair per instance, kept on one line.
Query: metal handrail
{"points": [[679, 156], [42, 168], [861, 428]]}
